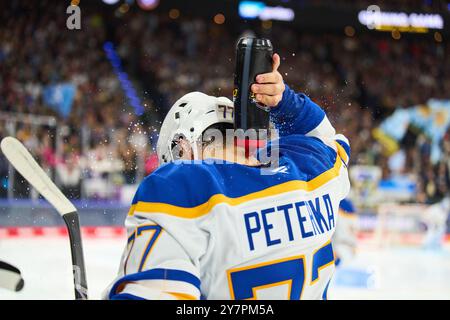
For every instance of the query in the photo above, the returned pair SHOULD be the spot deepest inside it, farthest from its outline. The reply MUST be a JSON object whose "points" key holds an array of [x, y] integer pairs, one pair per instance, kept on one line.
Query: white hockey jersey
{"points": [[224, 231]]}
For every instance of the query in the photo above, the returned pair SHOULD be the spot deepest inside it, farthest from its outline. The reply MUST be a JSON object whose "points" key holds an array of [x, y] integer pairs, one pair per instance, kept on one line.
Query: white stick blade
{"points": [[9, 279], [25, 164]]}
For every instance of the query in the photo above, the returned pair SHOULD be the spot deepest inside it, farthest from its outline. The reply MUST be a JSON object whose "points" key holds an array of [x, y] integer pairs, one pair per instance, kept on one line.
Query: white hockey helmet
{"points": [[188, 118]]}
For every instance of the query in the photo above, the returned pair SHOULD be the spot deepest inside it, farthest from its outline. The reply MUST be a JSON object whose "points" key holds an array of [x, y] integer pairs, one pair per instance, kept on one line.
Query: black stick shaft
{"points": [[76, 248]]}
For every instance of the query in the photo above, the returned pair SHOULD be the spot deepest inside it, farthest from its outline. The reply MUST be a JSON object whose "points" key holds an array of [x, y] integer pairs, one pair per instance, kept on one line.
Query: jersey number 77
{"points": [[245, 282]]}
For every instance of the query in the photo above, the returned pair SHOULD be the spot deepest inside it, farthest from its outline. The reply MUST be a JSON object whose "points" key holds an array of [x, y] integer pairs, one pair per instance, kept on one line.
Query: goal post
{"points": [[399, 224]]}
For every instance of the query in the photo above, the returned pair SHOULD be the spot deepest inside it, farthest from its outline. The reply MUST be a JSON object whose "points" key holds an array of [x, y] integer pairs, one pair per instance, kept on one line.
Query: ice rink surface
{"points": [[395, 273], [46, 268]]}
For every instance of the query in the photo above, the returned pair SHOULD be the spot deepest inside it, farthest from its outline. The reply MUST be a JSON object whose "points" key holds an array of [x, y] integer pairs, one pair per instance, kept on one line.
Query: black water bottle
{"points": [[253, 57]]}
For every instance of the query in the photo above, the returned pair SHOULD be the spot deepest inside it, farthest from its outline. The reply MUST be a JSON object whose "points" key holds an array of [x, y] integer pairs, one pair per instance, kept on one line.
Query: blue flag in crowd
{"points": [[397, 124], [60, 97], [432, 118]]}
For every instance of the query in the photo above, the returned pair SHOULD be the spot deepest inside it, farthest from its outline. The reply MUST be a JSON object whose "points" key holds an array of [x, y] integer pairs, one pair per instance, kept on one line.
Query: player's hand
{"points": [[269, 87]]}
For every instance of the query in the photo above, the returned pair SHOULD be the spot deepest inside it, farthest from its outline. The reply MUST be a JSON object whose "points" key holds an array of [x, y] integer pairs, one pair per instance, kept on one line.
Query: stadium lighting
{"points": [[410, 22], [219, 18], [111, 2], [437, 37], [256, 9], [349, 31], [174, 13], [250, 9], [148, 4]]}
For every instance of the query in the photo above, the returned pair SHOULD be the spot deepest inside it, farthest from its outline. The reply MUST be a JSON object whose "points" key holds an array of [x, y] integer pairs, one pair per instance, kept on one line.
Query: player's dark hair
{"points": [[222, 127]]}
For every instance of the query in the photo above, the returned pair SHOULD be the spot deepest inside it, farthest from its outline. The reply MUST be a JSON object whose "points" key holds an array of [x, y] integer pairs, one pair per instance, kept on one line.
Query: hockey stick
{"points": [[10, 277], [24, 163]]}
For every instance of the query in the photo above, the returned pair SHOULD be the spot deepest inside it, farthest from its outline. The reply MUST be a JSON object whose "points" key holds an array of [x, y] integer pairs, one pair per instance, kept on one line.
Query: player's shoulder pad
{"points": [[179, 183], [312, 156], [345, 144], [347, 206]]}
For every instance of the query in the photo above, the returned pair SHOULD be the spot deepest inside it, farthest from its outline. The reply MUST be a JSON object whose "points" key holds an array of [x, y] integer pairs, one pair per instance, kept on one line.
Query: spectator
{"points": [[69, 176]]}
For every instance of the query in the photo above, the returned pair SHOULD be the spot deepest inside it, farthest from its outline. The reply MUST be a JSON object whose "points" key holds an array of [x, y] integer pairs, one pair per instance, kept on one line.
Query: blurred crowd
{"points": [[96, 146], [358, 78]]}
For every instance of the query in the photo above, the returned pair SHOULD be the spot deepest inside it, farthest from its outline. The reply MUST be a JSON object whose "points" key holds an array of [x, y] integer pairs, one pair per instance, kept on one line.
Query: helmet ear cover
{"points": [[180, 147]]}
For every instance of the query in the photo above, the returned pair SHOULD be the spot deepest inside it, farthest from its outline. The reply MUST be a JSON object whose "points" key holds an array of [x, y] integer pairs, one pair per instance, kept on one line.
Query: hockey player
{"points": [[435, 218], [222, 230], [344, 239]]}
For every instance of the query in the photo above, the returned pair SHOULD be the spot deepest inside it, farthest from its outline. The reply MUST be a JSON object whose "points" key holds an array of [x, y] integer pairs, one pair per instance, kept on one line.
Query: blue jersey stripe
{"points": [[345, 146], [347, 206], [125, 296], [157, 274]]}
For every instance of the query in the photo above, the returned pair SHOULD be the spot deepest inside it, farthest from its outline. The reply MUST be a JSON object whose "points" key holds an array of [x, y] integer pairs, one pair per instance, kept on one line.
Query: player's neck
{"points": [[238, 155], [231, 154]]}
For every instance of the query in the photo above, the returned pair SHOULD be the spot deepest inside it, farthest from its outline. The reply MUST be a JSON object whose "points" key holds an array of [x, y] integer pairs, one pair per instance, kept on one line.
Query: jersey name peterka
{"points": [[273, 226]]}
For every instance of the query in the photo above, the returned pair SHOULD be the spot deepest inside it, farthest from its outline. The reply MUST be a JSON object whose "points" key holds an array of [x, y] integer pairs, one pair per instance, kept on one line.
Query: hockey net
{"points": [[384, 220], [399, 225]]}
